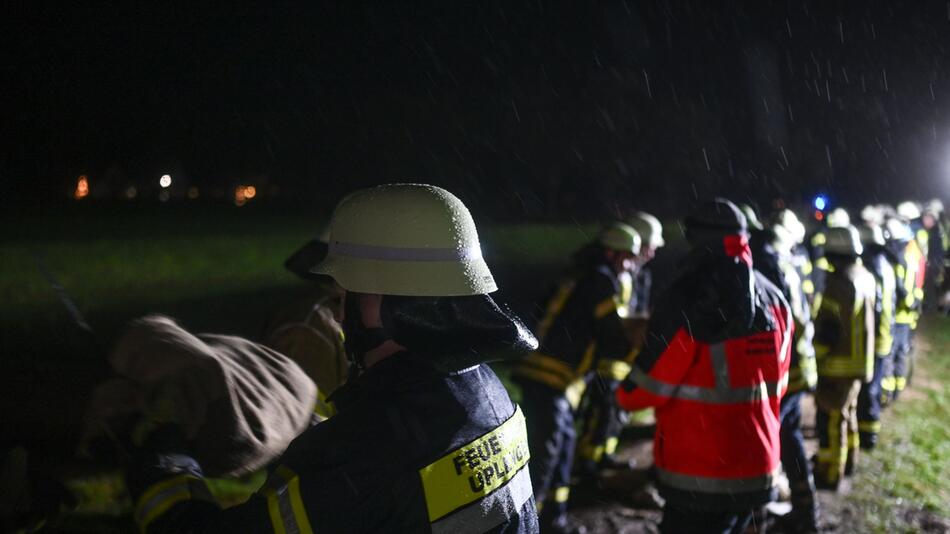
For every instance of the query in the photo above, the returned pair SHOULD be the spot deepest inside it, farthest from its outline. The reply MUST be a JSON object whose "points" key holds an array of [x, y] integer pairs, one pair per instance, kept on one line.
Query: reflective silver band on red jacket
{"points": [[502, 505], [714, 395], [374, 252], [700, 484]]}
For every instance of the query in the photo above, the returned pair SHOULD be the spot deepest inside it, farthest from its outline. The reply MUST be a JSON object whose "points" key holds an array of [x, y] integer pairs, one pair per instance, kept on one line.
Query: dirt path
{"points": [[618, 505]]}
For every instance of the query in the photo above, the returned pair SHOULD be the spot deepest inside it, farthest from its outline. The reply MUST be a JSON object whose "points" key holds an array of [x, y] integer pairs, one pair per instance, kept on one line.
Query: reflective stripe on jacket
{"points": [[716, 386], [580, 327], [844, 323], [411, 449]]}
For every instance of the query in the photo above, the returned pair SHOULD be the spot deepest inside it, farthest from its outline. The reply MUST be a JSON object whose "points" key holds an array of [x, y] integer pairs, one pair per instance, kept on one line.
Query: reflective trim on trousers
{"points": [[733, 395], [715, 485], [284, 504], [489, 511], [162, 496]]}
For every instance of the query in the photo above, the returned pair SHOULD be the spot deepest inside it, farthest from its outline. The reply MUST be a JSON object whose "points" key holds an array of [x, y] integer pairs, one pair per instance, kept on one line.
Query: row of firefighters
{"points": [[419, 435], [855, 292]]}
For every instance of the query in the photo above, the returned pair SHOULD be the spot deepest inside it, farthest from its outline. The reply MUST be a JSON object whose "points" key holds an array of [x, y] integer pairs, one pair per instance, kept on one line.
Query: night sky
{"points": [[531, 109]]}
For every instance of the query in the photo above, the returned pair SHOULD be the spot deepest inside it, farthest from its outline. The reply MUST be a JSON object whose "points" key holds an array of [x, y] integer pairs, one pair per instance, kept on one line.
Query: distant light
{"points": [[193, 192], [82, 188], [131, 192], [250, 192], [165, 181], [240, 195], [821, 202], [164, 196], [819, 216]]}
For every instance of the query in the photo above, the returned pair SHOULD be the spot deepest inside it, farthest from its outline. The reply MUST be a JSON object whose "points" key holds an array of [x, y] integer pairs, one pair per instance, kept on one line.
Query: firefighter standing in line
{"points": [[651, 235], [308, 329], [580, 327], [939, 241], [836, 218], [802, 379], [714, 366], [910, 278], [844, 346], [605, 420], [880, 262], [425, 439]]}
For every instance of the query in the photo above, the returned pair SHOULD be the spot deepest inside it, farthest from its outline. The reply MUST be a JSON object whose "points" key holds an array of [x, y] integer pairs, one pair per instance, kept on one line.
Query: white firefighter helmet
{"points": [[406, 239], [872, 214], [908, 210], [838, 218], [844, 241], [898, 230], [649, 228]]}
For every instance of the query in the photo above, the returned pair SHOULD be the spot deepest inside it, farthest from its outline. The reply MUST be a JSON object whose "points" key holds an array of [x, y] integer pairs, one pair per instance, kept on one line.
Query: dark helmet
{"points": [[716, 217]]}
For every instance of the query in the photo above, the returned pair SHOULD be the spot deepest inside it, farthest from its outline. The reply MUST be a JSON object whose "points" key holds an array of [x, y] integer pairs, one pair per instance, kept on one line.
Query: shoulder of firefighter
{"points": [[803, 371], [581, 331], [730, 385], [844, 324], [411, 449], [306, 332]]}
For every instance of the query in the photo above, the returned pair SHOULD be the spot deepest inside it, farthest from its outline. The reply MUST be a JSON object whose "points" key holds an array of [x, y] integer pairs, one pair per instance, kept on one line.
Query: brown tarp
{"points": [[238, 403]]}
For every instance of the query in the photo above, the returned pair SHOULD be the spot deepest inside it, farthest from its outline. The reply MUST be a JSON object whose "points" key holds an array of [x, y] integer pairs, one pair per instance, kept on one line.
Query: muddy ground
{"points": [[619, 504]]}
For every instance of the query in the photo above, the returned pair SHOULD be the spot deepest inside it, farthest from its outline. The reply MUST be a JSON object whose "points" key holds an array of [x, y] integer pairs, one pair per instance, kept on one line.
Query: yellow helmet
{"points": [[620, 236], [406, 239]]}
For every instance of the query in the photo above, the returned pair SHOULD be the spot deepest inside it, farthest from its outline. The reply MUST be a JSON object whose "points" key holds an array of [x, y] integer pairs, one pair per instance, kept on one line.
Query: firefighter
{"points": [[910, 279], [910, 212], [308, 330], [580, 328], [939, 241], [651, 234], [425, 438], [714, 366], [836, 218], [802, 378], [880, 262], [844, 346]]}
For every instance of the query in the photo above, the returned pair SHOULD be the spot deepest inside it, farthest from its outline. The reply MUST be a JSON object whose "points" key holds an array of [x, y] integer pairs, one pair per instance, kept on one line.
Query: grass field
{"points": [[902, 486]]}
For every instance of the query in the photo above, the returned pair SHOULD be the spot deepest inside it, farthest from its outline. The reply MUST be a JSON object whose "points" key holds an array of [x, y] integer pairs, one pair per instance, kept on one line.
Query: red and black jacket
{"points": [[715, 366]]}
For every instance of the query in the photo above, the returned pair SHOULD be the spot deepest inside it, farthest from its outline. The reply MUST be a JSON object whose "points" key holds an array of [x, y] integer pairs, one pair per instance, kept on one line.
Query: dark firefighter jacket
{"points": [[844, 323], [411, 449], [715, 367], [580, 329]]}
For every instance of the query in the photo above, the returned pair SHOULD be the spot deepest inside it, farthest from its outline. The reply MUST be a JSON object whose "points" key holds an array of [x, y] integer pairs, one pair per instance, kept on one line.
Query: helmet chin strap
{"points": [[360, 338]]}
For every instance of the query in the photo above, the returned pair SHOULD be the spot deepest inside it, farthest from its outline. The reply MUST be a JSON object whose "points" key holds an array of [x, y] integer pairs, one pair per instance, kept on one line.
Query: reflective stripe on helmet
{"points": [[374, 252], [481, 484]]}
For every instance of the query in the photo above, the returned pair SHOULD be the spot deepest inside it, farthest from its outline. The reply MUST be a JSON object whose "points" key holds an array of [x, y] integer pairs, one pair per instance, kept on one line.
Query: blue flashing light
{"points": [[821, 202]]}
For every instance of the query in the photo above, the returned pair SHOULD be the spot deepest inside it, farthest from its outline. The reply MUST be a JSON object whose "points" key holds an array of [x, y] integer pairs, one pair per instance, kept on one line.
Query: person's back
{"points": [[715, 367], [844, 346], [426, 438]]}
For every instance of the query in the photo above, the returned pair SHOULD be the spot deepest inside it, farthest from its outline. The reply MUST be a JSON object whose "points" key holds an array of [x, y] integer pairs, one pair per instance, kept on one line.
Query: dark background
{"points": [[526, 109]]}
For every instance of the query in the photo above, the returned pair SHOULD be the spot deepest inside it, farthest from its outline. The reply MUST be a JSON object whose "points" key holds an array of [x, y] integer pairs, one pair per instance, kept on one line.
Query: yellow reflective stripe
{"points": [[900, 382], [807, 268], [888, 383], [611, 446], [476, 469], [562, 494], [870, 426], [605, 308], [575, 392], [818, 239], [615, 369], [549, 364], [159, 498], [592, 452], [808, 287], [554, 308], [822, 263], [284, 503], [543, 377]]}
